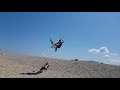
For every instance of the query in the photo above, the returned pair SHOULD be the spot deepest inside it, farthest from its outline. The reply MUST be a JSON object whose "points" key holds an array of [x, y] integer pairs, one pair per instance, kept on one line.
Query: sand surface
{"points": [[12, 65]]}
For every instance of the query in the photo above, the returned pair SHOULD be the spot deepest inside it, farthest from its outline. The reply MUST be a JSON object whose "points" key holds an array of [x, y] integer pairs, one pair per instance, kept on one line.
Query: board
{"points": [[51, 43]]}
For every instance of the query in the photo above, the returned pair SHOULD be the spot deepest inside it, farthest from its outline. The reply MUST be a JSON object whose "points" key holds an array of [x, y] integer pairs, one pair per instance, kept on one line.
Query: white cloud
{"points": [[103, 50], [93, 50], [112, 61], [106, 55], [114, 54]]}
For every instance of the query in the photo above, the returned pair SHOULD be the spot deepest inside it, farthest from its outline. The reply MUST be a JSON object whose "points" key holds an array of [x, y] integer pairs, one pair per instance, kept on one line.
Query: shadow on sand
{"points": [[34, 73], [40, 71]]}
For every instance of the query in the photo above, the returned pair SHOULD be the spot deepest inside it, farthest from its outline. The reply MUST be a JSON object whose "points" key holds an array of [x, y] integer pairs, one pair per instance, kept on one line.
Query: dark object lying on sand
{"points": [[45, 67], [75, 60], [1, 53]]}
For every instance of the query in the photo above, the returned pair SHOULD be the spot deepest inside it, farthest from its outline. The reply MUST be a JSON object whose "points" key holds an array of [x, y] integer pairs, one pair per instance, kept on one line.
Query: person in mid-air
{"points": [[58, 44]]}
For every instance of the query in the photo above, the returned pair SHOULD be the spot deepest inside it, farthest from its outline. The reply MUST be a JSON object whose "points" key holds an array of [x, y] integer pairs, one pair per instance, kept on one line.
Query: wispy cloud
{"points": [[115, 61], [103, 50], [114, 54], [93, 50], [106, 55]]}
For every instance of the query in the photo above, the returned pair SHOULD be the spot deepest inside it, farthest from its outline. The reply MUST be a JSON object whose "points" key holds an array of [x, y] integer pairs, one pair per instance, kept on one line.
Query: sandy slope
{"points": [[11, 66]]}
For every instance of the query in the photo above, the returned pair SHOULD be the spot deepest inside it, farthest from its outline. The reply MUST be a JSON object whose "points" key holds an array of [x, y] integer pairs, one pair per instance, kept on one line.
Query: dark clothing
{"points": [[59, 44]]}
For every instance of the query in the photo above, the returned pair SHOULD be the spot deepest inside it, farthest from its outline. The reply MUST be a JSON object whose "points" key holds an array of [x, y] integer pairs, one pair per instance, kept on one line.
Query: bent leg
{"points": [[55, 49]]}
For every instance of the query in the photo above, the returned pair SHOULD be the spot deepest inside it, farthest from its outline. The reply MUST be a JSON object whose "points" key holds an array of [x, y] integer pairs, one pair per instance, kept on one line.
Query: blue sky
{"points": [[85, 34]]}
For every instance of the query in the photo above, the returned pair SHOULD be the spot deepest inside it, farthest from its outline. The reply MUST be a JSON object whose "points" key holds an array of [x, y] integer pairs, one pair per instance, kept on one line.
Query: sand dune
{"points": [[12, 65]]}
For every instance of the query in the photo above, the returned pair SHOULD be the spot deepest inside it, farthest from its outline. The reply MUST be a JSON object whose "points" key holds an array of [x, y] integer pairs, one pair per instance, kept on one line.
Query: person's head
{"points": [[60, 40]]}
